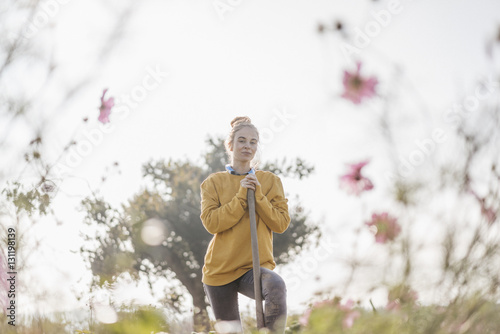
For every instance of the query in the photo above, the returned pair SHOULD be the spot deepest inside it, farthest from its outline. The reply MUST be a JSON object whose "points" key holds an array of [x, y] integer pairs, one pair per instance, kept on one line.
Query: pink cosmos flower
{"points": [[386, 227], [353, 181], [105, 108], [356, 88]]}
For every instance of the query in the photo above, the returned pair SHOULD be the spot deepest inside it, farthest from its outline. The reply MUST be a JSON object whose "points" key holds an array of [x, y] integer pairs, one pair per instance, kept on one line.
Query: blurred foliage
{"points": [[472, 315], [29, 202], [143, 320], [30, 105], [475, 314], [298, 168], [130, 320], [173, 199], [452, 187], [55, 324]]}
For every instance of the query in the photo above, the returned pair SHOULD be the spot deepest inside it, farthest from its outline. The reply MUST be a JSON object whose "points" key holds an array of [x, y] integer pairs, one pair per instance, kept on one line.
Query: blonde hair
{"points": [[237, 124]]}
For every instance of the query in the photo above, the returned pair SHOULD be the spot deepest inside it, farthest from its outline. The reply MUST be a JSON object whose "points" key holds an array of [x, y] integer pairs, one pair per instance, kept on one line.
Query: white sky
{"points": [[264, 56]]}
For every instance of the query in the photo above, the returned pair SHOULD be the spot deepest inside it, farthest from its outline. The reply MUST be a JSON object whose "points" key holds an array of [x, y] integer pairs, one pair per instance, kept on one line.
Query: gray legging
{"points": [[224, 298]]}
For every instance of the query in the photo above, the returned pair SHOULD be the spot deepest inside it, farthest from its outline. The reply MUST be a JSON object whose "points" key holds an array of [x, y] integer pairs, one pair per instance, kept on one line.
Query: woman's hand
{"points": [[250, 182]]}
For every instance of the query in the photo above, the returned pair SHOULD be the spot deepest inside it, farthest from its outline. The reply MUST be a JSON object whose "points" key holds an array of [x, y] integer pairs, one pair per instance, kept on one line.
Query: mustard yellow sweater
{"points": [[224, 213]]}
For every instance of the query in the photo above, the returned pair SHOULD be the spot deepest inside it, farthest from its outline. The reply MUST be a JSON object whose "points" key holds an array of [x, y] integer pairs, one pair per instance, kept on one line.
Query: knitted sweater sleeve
{"points": [[272, 208], [216, 217]]}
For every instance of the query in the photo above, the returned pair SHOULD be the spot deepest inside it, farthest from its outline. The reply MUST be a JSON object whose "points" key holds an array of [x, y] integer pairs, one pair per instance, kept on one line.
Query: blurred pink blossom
{"points": [[105, 108], [353, 181], [489, 214], [350, 314], [487, 211], [304, 319], [386, 227], [347, 309], [356, 88]]}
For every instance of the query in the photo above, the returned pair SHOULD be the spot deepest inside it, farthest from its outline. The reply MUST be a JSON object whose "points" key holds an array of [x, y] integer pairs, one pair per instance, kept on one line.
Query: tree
{"points": [[171, 207]]}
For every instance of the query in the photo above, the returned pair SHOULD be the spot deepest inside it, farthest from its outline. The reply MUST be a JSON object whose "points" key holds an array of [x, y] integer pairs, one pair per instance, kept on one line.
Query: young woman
{"points": [[224, 213]]}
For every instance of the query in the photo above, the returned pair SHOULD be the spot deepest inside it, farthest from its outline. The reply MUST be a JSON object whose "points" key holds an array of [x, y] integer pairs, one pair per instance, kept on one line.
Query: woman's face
{"points": [[244, 144]]}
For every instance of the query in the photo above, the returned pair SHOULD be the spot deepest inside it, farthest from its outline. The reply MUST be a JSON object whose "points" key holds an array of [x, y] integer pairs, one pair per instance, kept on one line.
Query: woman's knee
{"points": [[273, 284]]}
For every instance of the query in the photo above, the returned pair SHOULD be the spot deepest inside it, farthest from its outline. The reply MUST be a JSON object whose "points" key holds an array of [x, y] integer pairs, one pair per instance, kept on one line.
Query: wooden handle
{"points": [[255, 258]]}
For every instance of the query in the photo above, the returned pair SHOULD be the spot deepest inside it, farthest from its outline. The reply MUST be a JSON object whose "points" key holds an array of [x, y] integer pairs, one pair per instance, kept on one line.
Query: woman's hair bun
{"points": [[240, 119]]}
